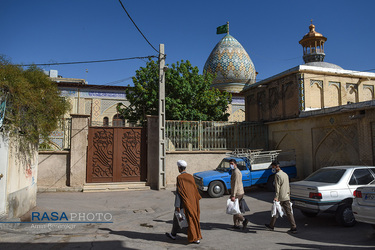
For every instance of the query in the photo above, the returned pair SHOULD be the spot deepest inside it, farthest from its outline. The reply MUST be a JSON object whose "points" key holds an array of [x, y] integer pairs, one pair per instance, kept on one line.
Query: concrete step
{"points": [[116, 186], [59, 189]]}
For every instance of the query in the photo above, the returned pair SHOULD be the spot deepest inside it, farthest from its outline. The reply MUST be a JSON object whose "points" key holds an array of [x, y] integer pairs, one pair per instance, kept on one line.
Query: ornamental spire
{"points": [[313, 45]]}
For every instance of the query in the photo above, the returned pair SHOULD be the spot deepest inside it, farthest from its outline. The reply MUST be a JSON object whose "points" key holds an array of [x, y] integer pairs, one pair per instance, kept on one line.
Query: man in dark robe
{"points": [[187, 197]]}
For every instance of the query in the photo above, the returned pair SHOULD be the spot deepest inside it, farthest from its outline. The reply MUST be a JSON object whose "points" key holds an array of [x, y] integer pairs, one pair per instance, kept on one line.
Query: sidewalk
{"points": [[141, 218]]}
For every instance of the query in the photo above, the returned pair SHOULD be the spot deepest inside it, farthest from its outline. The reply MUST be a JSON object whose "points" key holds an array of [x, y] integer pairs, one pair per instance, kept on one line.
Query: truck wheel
{"points": [[308, 214], [216, 189], [271, 183], [344, 215]]}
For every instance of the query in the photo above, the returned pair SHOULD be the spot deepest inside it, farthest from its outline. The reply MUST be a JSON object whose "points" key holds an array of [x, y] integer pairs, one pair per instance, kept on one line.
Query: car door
{"points": [[246, 180]]}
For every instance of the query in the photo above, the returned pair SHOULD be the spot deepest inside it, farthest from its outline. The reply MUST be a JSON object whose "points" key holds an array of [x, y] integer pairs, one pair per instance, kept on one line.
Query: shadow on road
{"points": [[260, 193], [317, 246], [64, 245], [161, 237], [217, 226], [322, 228]]}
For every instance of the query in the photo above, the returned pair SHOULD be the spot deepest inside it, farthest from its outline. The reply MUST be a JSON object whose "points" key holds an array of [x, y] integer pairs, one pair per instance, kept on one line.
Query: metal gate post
{"points": [[200, 135]]}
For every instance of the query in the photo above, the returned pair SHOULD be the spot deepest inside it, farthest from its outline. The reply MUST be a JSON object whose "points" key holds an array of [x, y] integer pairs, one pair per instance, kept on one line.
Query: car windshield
{"points": [[223, 166], [326, 175]]}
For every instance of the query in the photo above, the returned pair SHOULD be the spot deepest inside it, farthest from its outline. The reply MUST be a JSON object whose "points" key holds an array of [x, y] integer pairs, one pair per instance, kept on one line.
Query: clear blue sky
{"points": [[45, 31]]}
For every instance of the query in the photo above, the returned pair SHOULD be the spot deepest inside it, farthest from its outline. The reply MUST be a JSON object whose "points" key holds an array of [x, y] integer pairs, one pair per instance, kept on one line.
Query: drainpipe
{"points": [[78, 101]]}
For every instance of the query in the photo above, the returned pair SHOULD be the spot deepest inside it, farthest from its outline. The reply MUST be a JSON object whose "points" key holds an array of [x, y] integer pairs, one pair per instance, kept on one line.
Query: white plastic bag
{"points": [[276, 209], [291, 207], [273, 210], [233, 207]]}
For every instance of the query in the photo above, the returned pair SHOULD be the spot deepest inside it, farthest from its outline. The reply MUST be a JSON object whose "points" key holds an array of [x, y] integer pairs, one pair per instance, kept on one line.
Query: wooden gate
{"points": [[116, 154]]}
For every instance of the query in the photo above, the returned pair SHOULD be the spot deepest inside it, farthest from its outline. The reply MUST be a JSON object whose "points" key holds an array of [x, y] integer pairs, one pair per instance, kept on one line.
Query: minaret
{"points": [[313, 45]]}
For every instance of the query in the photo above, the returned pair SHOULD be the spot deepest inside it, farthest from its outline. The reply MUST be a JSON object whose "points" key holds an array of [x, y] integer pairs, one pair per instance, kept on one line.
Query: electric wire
{"points": [[95, 61], [118, 81], [137, 27]]}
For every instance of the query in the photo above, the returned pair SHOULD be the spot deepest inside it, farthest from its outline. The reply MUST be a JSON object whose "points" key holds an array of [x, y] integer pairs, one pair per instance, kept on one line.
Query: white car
{"points": [[364, 204], [330, 189]]}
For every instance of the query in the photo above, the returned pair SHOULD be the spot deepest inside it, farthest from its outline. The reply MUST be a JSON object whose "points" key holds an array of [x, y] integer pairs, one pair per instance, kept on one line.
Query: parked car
{"points": [[364, 204], [330, 189], [254, 166]]}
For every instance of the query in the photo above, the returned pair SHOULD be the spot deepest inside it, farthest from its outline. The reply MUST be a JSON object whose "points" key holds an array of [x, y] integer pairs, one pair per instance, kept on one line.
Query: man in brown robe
{"points": [[187, 197]]}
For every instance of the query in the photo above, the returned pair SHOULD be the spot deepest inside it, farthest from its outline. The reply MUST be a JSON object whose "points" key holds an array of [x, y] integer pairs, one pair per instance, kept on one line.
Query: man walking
{"points": [[282, 194], [187, 197], [237, 192]]}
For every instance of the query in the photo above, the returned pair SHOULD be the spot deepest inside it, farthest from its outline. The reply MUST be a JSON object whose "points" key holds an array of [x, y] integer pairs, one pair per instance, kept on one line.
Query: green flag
{"points": [[222, 29]]}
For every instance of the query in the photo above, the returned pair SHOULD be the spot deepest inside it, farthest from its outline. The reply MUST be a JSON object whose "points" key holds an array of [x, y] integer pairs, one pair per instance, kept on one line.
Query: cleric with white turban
{"points": [[181, 164], [187, 202]]}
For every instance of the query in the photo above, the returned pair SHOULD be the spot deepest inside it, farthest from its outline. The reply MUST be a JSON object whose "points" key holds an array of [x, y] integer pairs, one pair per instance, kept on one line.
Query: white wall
{"points": [[4, 149], [21, 178], [196, 162]]}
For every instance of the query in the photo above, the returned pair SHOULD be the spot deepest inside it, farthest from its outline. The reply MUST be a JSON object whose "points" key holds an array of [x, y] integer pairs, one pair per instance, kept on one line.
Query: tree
{"points": [[33, 102], [188, 95]]}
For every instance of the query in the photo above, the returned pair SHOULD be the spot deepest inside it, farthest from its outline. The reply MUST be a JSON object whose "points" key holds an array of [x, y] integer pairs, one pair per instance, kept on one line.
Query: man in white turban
{"points": [[181, 164], [187, 197]]}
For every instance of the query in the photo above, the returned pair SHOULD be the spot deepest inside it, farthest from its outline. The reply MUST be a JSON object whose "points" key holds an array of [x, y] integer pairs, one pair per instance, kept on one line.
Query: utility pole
{"points": [[162, 68]]}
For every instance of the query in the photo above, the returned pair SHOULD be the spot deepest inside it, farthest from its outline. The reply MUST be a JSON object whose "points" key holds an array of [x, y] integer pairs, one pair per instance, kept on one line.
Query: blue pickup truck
{"points": [[254, 166]]}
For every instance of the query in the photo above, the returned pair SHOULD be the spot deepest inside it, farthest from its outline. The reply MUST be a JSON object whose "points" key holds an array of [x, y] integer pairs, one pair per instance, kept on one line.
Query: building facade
{"points": [[322, 111], [314, 85], [97, 101]]}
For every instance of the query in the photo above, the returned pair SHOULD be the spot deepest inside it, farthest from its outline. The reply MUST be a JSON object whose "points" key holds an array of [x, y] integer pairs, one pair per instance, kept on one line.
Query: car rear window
{"points": [[328, 175], [241, 165], [361, 177]]}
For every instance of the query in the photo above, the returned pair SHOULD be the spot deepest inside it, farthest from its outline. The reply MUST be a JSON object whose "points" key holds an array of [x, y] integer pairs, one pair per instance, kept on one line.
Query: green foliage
{"points": [[34, 104], [188, 95]]}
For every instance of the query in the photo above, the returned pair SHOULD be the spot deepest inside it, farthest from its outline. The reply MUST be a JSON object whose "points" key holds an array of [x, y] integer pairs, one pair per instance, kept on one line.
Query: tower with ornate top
{"points": [[313, 45]]}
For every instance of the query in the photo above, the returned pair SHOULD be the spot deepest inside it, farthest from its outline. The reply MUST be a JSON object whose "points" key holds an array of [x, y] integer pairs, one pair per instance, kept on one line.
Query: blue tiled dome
{"points": [[230, 61]]}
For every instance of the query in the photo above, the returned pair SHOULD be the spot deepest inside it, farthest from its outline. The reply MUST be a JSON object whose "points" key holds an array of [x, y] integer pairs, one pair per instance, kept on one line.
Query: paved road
{"points": [[141, 218]]}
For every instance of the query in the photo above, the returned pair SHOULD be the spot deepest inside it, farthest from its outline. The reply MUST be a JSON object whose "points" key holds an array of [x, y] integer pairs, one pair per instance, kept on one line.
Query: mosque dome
{"points": [[231, 64], [324, 65]]}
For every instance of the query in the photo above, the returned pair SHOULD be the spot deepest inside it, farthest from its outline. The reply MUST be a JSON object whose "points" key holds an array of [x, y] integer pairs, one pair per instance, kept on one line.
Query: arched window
{"points": [[105, 121], [118, 121]]}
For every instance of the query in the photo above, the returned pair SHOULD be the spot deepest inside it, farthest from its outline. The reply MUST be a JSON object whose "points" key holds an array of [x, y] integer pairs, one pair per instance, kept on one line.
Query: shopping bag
{"points": [[277, 210], [243, 206], [233, 207], [181, 218], [291, 207]]}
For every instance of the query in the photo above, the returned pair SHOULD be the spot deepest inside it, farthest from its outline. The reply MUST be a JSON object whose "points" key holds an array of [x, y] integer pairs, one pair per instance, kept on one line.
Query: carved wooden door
{"points": [[116, 155]]}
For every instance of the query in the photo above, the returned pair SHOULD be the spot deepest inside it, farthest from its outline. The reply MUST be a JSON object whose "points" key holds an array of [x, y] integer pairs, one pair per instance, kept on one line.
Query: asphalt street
{"points": [[140, 219]]}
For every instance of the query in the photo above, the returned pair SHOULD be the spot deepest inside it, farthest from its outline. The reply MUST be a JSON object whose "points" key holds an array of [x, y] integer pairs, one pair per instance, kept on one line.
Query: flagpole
{"points": [[228, 28]]}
